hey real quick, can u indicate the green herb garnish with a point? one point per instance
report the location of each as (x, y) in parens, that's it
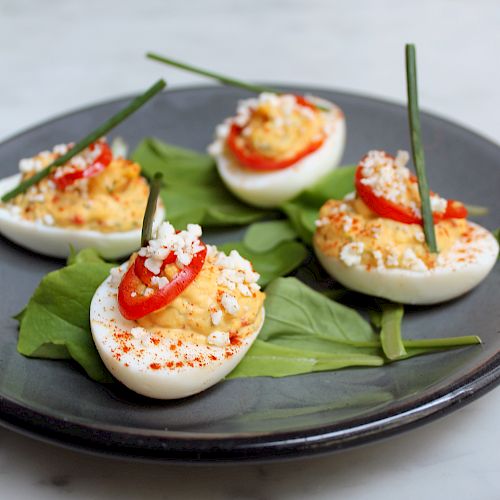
(477, 210)
(88, 140)
(417, 149)
(149, 213)
(225, 80)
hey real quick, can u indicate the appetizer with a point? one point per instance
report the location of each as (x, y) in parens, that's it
(277, 145)
(94, 200)
(373, 241)
(178, 316)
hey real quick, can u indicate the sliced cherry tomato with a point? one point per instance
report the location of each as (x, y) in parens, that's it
(256, 161)
(134, 305)
(390, 210)
(97, 166)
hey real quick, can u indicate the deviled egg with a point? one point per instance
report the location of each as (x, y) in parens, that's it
(278, 145)
(373, 241)
(178, 316)
(94, 200)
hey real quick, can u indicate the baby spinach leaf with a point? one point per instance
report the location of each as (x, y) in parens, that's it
(193, 191)
(55, 323)
(267, 359)
(305, 332)
(264, 236)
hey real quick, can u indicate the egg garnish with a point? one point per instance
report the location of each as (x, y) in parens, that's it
(278, 145)
(94, 200)
(373, 240)
(178, 316)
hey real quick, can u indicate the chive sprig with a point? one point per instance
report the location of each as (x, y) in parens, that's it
(417, 149)
(149, 213)
(88, 140)
(225, 80)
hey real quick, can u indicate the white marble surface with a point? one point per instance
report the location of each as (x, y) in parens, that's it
(58, 55)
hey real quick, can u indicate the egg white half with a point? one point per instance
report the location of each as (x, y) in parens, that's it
(271, 189)
(56, 241)
(147, 363)
(457, 272)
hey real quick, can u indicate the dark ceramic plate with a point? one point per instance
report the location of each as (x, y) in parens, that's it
(261, 418)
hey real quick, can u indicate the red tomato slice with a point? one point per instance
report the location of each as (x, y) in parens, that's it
(255, 161)
(97, 166)
(133, 305)
(390, 210)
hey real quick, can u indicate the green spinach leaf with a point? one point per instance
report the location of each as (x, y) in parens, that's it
(193, 191)
(265, 236)
(55, 323)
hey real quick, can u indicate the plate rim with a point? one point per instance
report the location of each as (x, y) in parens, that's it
(151, 445)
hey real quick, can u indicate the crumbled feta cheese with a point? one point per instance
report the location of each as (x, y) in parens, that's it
(386, 178)
(438, 204)
(184, 245)
(412, 262)
(324, 221)
(392, 260)
(29, 165)
(347, 221)
(419, 235)
(230, 303)
(48, 220)
(377, 254)
(216, 317)
(218, 339)
(235, 262)
(351, 253)
(160, 282)
(60, 149)
(36, 198)
(350, 196)
(244, 290)
(116, 277)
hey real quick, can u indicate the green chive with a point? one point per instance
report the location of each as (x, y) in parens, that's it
(417, 149)
(226, 80)
(87, 141)
(476, 210)
(203, 72)
(390, 333)
(149, 214)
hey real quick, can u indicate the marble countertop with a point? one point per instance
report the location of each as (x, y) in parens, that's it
(54, 59)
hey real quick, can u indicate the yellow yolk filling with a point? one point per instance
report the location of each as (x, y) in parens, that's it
(384, 241)
(280, 134)
(189, 316)
(113, 200)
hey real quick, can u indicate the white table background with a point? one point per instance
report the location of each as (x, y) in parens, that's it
(60, 55)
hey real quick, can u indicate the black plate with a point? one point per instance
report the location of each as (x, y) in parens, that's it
(259, 418)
